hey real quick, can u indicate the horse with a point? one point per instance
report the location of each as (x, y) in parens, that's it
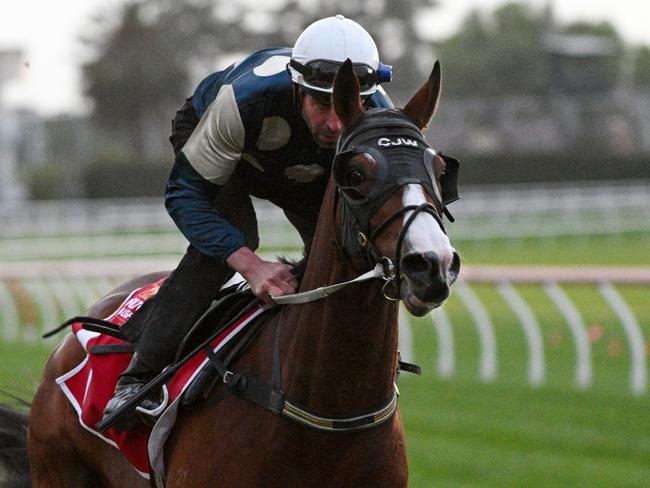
(335, 357)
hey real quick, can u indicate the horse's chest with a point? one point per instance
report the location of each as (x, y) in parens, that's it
(254, 448)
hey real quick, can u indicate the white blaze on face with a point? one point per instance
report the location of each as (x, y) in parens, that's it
(424, 234)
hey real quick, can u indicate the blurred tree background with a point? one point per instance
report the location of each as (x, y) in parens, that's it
(150, 53)
(504, 68)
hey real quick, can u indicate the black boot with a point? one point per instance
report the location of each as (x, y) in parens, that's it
(134, 378)
(158, 331)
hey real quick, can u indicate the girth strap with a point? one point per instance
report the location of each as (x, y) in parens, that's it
(249, 387)
(267, 396)
(271, 396)
(365, 421)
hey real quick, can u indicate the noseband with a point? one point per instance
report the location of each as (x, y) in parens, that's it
(374, 256)
(397, 146)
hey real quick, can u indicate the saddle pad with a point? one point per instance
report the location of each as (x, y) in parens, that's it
(90, 385)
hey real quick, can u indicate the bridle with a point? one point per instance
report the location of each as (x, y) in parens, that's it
(374, 255)
(357, 239)
(356, 242)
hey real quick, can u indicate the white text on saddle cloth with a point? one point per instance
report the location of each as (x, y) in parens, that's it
(129, 308)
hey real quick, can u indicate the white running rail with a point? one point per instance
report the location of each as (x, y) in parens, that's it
(113, 227)
(35, 296)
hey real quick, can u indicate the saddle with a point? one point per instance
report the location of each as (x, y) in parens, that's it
(225, 307)
(227, 304)
(224, 330)
(224, 310)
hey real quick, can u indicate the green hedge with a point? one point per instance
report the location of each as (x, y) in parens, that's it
(534, 168)
(125, 179)
(105, 179)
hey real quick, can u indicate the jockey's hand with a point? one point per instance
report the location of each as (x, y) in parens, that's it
(266, 278)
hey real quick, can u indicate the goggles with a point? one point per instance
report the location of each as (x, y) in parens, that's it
(320, 73)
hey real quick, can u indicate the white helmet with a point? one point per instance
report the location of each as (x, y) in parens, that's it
(325, 45)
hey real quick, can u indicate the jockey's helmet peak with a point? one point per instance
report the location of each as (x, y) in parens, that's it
(324, 45)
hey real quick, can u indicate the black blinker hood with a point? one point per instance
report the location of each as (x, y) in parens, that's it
(395, 143)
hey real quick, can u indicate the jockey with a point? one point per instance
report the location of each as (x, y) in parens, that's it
(263, 127)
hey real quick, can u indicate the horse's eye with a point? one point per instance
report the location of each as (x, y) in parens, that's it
(355, 178)
(353, 181)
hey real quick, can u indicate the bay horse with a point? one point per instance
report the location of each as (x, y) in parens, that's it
(337, 356)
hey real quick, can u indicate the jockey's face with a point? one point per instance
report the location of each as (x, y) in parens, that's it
(323, 123)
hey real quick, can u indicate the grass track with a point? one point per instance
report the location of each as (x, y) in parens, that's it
(462, 433)
(620, 249)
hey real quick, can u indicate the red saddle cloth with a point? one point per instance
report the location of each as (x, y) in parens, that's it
(90, 385)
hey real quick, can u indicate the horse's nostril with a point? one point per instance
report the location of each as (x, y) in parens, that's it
(423, 272)
(416, 263)
(454, 268)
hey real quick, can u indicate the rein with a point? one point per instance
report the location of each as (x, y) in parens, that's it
(384, 269)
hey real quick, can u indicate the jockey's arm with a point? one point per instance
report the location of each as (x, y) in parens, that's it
(204, 165)
(188, 200)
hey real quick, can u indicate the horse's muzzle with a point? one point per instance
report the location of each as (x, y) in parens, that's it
(426, 281)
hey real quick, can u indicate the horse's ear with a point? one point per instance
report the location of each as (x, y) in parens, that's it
(424, 103)
(347, 104)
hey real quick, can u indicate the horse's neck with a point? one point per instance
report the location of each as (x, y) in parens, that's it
(340, 352)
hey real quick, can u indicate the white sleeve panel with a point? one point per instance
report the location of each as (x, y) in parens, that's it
(216, 145)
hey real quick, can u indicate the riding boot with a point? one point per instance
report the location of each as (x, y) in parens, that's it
(181, 300)
(132, 380)
(184, 296)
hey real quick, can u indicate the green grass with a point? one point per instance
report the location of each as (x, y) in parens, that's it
(21, 367)
(620, 250)
(462, 433)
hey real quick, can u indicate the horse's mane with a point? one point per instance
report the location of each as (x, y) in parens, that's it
(298, 266)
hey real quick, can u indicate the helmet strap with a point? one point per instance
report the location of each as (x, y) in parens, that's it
(298, 95)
